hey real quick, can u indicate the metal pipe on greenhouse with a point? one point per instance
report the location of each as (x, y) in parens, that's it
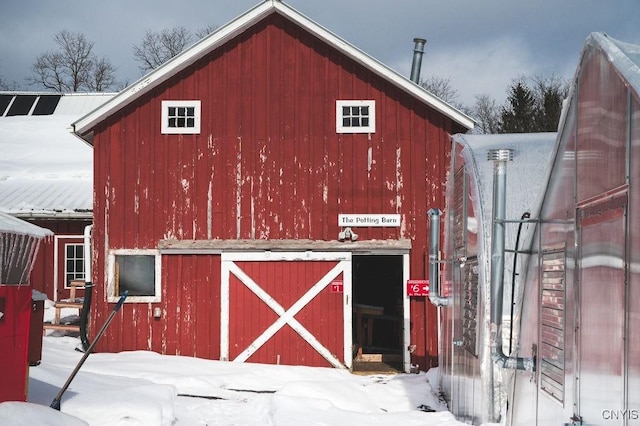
(500, 158)
(434, 258)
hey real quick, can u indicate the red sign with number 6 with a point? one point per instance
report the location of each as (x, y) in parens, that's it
(417, 287)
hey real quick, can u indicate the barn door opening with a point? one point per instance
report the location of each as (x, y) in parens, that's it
(378, 312)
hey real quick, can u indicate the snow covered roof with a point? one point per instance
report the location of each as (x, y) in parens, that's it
(12, 225)
(526, 174)
(84, 126)
(45, 170)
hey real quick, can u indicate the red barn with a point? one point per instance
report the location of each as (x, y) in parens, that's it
(263, 196)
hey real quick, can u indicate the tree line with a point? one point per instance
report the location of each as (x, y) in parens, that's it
(533, 103)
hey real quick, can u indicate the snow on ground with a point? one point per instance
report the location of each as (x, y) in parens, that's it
(145, 388)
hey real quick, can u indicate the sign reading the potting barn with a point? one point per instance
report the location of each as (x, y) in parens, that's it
(337, 287)
(417, 287)
(378, 220)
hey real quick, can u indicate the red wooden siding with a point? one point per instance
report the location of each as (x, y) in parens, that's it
(42, 274)
(190, 321)
(268, 163)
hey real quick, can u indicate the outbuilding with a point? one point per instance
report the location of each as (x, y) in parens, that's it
(46, 178)
(540, 321)
(263, 198)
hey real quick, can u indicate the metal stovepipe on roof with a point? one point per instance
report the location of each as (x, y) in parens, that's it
(418, 51)
(500, 158)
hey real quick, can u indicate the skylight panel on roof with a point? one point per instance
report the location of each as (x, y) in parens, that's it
(5, 100)
(21, 105)
(46, 104)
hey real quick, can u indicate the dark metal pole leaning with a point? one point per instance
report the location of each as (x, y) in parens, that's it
(55, 404)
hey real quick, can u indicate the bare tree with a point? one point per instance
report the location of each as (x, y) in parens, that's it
(440, 87)
(486, 112)
(6, 85)
(103, 76)
(73, 67)
(550, 93)
(157, 47)
(205, 31)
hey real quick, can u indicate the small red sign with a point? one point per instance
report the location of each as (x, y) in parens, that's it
(337, 287)
(417, 287)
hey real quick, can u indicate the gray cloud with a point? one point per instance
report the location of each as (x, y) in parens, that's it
(480, 45)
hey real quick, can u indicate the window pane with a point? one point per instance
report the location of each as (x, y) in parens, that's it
(180, 122)
(136, 274)
(345, 110)
(80, 251)
(191, 111)
(70, 250)
(355, 122)
(346, 122)
(364, 110)
(191, 122)
(172, 122)
(172, 111)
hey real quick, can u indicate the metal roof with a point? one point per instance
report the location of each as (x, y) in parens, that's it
(83, 127)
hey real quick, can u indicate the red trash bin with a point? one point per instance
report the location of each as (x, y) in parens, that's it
(15, 314)
(36, 329)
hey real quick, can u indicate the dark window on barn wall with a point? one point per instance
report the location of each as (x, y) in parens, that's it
(355, 116)
(180, 117)
(135, 271)
(135, 274)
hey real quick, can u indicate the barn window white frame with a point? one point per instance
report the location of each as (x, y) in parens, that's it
(181, 117)
(73, 263)
(355, 116)
(113, 287)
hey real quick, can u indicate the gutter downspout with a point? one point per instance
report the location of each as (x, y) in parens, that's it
(500, 157)
(434, 259)
(88, 288)
(418, 51)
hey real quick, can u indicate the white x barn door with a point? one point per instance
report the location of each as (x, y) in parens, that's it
(286, 307)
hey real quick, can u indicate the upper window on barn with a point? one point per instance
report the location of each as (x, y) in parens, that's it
(355, 116)
(180, 117)
(135, 271)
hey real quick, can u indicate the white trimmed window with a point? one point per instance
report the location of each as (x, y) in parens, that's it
(73, 263)
(180, 117)
(136, 271)
(355, 116)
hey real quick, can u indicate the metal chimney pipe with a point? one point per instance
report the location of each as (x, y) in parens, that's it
(418, 51)
(500, 157)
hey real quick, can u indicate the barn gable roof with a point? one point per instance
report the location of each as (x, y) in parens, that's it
(84, 126)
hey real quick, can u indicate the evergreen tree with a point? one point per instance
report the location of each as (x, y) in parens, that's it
(520, 112)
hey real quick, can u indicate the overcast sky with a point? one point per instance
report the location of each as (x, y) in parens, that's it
(480, 45)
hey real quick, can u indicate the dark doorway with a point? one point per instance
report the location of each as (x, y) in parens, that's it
(377, 311)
